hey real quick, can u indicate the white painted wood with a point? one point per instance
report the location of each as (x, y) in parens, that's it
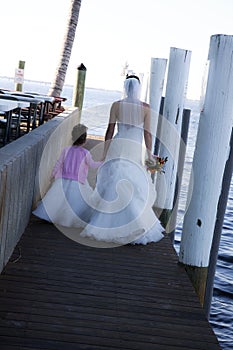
(177, 80)
(157, 76)
(211, 152)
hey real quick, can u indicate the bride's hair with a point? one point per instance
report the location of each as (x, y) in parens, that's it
(132, 86)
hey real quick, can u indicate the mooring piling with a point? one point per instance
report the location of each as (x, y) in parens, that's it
(79, 88)
(210, 156)
(177, 78)
(157, 76)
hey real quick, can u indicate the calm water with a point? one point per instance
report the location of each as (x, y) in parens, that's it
(95, 115)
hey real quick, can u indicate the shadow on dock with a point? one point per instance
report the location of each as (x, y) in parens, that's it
(58, 294)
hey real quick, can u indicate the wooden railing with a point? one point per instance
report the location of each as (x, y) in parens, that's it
(22, 178)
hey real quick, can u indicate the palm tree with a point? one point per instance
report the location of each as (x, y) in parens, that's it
(60, 73)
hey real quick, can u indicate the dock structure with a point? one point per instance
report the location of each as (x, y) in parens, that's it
(57, 294)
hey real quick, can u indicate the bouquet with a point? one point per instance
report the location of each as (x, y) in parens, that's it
(156, 164)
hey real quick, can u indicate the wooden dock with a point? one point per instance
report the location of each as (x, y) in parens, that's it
(56, 294)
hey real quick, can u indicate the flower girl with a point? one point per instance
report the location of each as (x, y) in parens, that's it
(67, 202)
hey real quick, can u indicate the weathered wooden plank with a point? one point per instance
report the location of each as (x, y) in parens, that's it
(121, 340)
(96, 287)
(56, 345)
(94, 320)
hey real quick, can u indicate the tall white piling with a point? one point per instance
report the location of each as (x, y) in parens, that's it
(211, 153)
(157, 76)
(177, 80)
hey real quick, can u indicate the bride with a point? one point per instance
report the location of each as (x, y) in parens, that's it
(124, 193)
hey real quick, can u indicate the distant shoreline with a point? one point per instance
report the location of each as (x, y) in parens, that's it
(48, 83)
(71, 86)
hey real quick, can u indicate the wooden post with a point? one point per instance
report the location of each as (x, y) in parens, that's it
(210, 155)
(157, 74)
(19, 76)
(78, 93)
(222, 204)
(183, 143)
(179, 62)
(158, 132)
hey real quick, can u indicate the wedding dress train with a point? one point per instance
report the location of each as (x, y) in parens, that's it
(124, 195)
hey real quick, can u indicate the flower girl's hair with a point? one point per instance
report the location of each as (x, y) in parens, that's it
(79, 134)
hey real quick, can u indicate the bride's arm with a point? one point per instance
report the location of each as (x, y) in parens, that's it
(147, 132)
(110, 129)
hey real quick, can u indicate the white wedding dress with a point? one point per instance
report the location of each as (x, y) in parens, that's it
(124, 195)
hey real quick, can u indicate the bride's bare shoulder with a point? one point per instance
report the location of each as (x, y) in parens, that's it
(116, 103)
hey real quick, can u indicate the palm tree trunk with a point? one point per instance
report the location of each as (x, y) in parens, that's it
(60, 73)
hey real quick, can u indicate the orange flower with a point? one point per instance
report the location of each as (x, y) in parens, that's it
(155, 164)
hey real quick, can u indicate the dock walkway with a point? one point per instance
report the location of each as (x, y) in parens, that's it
(56, 294)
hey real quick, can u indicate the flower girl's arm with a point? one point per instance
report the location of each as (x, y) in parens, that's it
(92, 163)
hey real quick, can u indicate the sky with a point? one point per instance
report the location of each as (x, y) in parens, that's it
(109, 34)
